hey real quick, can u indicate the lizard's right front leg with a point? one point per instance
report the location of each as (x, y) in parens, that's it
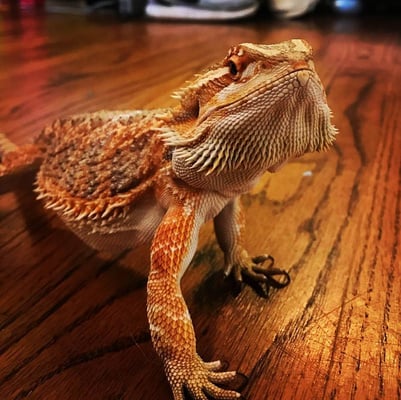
(171, 327)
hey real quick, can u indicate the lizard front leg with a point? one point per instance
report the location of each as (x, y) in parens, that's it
(171, 327)
(229, 226)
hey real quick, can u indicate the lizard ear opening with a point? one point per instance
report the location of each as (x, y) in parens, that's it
(190, 107)
(196, 109)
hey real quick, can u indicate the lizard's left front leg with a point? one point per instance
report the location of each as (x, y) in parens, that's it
(229, 226)
(171, 327)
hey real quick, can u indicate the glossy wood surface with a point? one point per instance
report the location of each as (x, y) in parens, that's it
(73, 322)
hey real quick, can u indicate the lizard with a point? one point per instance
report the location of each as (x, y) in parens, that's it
(120, 179)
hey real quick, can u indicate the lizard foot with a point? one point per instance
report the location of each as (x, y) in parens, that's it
(200, 380)
(253, 271)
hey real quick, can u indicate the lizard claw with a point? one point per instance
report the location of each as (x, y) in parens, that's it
(259, 276)
(200, 380)
(270, 273)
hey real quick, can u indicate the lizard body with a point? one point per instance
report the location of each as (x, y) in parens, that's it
(122, 179)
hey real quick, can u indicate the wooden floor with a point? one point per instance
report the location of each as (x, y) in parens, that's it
(73, 323)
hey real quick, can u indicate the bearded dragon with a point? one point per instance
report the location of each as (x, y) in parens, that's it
(122, 179)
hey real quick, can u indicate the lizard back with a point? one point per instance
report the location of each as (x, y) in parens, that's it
(96, 165)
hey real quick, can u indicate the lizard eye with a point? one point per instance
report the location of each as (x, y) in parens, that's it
(233, 68)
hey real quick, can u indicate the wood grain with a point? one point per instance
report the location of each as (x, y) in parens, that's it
(73, 322)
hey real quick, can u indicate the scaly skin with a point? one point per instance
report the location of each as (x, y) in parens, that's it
(121, 179)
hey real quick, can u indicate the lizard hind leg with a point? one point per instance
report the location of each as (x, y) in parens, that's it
(14, 159)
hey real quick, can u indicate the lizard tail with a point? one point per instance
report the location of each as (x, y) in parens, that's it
(6, 145)
(14, 159)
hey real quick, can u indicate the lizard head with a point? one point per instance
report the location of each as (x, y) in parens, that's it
(257, 108)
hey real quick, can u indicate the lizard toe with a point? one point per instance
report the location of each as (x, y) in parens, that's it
(216, 366)
(221, 394)
(222, 377)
